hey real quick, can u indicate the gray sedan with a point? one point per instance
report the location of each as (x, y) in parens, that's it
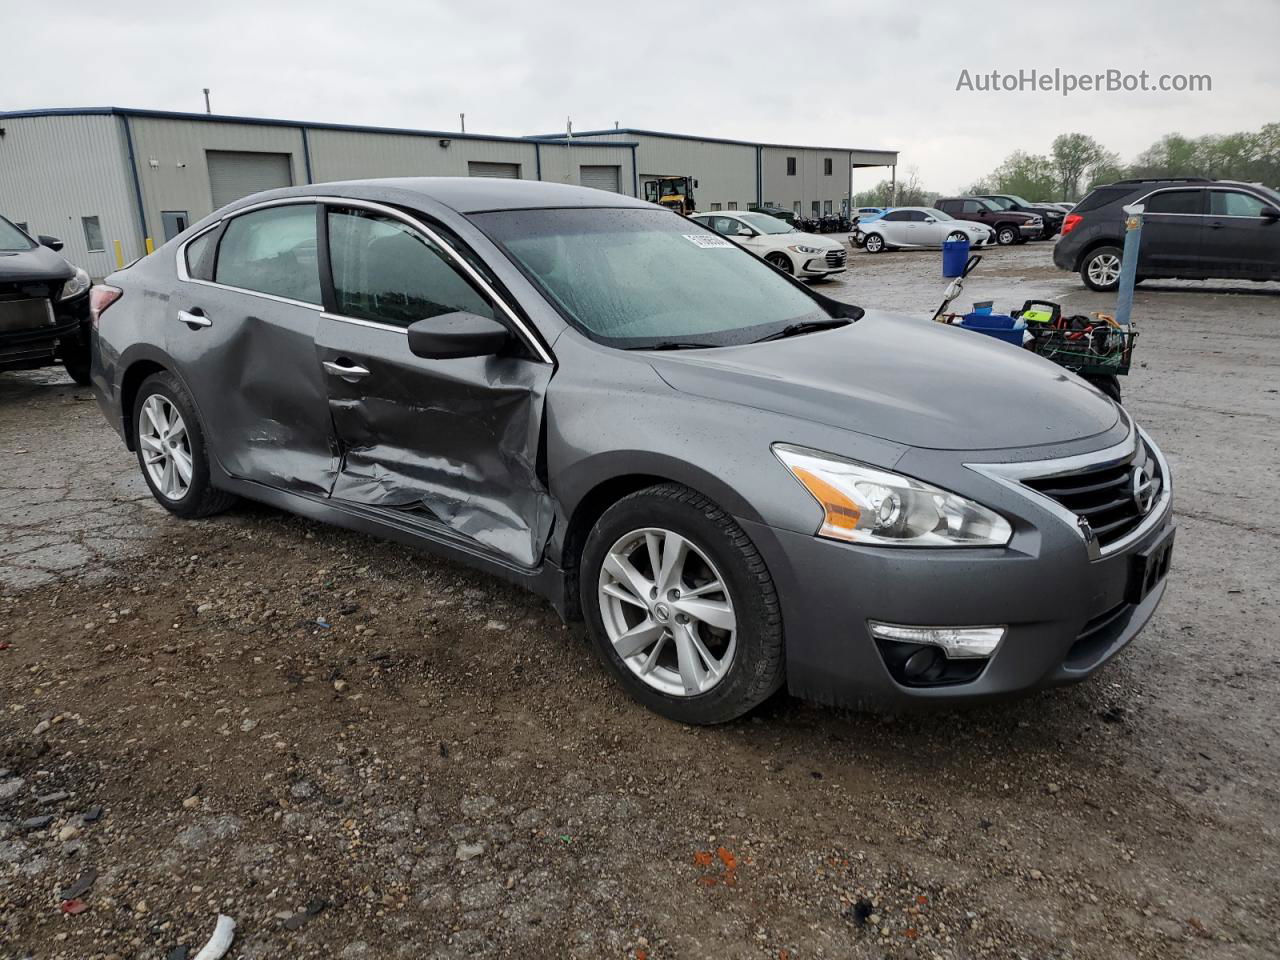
(737, 482)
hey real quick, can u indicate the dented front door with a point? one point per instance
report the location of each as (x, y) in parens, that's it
(448, 444)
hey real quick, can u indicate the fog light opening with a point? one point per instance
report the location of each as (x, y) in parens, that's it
(934, 656)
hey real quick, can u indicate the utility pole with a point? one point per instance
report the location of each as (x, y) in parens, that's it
(462, 119)
(568, 150)
(207, 108)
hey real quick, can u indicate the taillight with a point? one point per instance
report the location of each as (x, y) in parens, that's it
(1070, 222)
(101, 296)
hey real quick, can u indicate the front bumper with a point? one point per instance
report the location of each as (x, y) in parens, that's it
(824, 264)
(1032, 230)
(1068, 611)
(28, 349)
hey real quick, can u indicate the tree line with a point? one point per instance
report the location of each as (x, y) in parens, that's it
(1076, 162)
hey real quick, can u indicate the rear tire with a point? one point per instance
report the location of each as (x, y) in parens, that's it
(649, 651)
(171, 449)
(874, 243)
(1100, 269)
(779, 260)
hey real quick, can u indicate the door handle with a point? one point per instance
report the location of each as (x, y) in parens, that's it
(351, 372)
(194, 319)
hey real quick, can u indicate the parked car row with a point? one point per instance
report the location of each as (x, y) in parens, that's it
(778, 243)
(44, 305)
(915, 227)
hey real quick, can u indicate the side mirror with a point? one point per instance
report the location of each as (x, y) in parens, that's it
(1270, 213)
(53, 243)
(452, 336)
(930, 219)
(745, 232)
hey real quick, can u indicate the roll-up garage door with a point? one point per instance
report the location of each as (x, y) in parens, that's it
(234, 174)
(600, 177)
(510, 171)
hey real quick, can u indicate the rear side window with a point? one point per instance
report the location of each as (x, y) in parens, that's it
(199, 256)
(1233, 203)
(1175, 201)
(1101, 197)
(385, 271)
(895, 216)
(272, 251)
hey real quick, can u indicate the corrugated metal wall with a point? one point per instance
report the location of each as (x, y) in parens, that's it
(348, 155)
(55, 170)
(173, 169)
(726, 172)
(809, 184)
(563, 163)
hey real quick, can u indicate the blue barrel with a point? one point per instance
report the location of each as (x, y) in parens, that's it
(955, 254)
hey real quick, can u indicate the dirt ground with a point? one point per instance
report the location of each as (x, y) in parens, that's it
(359, 751)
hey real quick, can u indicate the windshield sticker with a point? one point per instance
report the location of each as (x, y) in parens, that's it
(707, 240)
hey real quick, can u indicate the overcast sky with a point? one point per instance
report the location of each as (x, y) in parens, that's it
(830, 72)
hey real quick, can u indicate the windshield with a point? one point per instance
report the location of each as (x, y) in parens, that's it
(998, 203)
(767, 224)
(12, 239)
(641, 278)
(936, 214)
(1018, 201)
(991, 205)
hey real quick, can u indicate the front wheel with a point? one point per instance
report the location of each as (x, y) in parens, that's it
(1006, 235)
(779, 260)
(681, 606)
(1100, 270)
(874, 243)
(172, 451)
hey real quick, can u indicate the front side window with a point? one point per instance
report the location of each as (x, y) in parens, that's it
(896, 216)
(637, 278)
(272, 251)
(385, 271)
(92, 233)
(1233, 203)
(12, 239)
(1175, 201)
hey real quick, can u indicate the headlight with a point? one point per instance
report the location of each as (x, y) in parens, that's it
(864, 505)
(802, 248)
(75, 286)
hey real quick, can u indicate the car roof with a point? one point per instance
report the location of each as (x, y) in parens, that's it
(465, 194)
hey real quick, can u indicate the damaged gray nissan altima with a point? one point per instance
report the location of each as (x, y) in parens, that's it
(738, 482)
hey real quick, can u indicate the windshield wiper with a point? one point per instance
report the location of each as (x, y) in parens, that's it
(806, 326)
(673, 345)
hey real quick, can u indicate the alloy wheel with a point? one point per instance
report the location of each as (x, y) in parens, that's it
(1104, 269)
(667, 612)
(166, 447)
(874, 243)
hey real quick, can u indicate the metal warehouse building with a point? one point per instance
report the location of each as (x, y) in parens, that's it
(112, 182)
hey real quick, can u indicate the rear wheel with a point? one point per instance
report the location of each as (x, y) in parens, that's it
(1100, 269)
(779, 260)
(874, 243)
(681, 607)
(1006, 235)
(171, 449)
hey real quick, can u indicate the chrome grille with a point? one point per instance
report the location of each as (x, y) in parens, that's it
(837, 258)
(1112, 499)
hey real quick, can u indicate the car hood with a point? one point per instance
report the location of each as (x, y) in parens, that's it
(901, 379)
(38, 264)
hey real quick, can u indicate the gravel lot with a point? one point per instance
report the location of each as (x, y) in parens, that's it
(358, 751)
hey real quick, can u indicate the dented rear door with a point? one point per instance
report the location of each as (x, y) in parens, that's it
(449, 445)
(243, 339)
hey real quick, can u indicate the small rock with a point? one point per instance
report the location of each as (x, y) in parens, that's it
(41, 727)
(178, 953)
(495, 625)
(36, 823)
(1036, 875)
(204, 608)
(93, 814)
(339, 685)
(190, 803)
(11, 788)
(49, 798)
(469, 851)
(1054, 788)
(67, 832)
(248, 725)
(81, 886)
(302, 790)
(141, 907)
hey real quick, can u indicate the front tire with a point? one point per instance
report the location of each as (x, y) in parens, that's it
(874, 243)
(172, 451)
(1006, 235)
(1100, 269)
(681, 606)
(779, 260)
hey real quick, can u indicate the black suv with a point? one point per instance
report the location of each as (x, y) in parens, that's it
(1051, 215)
(1192, 229)
(44, 305)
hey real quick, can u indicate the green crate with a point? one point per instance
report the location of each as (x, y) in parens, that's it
(1101, 351)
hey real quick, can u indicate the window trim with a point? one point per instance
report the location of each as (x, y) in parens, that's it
(531, 337)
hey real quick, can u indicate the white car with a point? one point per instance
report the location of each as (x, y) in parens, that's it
(914, 227)
(779, 243)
